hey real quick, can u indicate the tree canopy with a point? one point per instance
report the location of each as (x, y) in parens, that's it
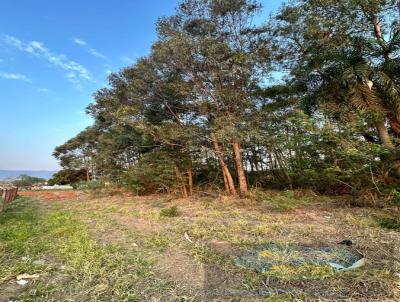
(309, 98)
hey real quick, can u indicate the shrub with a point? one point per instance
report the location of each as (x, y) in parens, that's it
(153, 174)
(390, 223)
(26, 181)
(68, 177)
(282, 200)
(90, 185)
(170, 212)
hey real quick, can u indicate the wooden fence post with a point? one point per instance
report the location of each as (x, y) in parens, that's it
(1, 200)
(7, 196)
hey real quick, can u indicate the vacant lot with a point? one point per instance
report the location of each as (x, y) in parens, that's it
(124, 248)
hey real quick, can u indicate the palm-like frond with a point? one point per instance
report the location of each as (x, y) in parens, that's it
(360, 72)
(362, 93)
(390, 90)
(362, 97)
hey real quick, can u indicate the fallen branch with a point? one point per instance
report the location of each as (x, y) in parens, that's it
(186, 235)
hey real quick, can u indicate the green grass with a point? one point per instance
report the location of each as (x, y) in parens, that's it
(390, 223)
(102, 273)
(170, 212)
(109, 250)
(282, 201)
(302, 272)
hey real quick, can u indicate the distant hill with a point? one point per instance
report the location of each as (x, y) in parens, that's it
(13, 174)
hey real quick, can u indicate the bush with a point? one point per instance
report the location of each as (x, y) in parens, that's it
(153, 174)
(68, 177)
(90, 185)
(27, 181)
(395, 197)
(325, 160)
(170, 212)
(282, 200)
(390, 223)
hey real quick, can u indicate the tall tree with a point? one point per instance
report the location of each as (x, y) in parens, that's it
(218, 48)
(78, 152)
(345, 55)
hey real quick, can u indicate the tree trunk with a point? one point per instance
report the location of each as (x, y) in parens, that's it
(240, 170)
(180, 181)
(228, 180)
(226, 183)
(251, 162)
(384, 135)
(87, 174)
(394, 124)
(190, 181)
(387, 142)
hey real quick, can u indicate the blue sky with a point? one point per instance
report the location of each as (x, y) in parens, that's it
(54, 54)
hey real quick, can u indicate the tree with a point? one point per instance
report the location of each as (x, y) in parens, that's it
(344, 55)
(26, 181)
(68, 177)
(201, 110)
(217, 47)
(78, 152)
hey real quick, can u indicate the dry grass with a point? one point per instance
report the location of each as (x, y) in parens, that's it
(124, 248)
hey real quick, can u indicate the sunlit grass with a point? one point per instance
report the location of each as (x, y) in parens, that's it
(105, 250)
(92, 270)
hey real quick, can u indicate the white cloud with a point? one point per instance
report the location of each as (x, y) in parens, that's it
(14, 76)
(127, 59)
(43, 90)
(79, 42)
(107, 69)
(130, 59)
(95, 53)
(75, 71)
(72, 77)
(90, 50)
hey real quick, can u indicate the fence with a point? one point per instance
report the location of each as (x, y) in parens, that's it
(7, 195)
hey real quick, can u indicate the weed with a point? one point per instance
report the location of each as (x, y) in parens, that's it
(170, 212)
(157, 241)
(302, 272)
(281, 201)
(101, 272)
(91, 254)
(390, 223)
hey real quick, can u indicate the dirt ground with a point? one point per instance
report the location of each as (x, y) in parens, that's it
(135, 250)
(50, 195)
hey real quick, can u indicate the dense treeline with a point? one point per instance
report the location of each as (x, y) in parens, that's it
(307, 99)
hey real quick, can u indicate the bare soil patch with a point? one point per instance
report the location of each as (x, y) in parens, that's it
(182, 269)
(51, 195)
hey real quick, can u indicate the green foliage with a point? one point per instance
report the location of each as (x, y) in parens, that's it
(303, 272)
(331, 124)
(27, 181)
(67, 177)
(296, 262)
(322, 157)
(170, 212)
(154, 173)
(396, 197)
(282, 200)
(25, 232)
(92, 185)
(390, 223)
